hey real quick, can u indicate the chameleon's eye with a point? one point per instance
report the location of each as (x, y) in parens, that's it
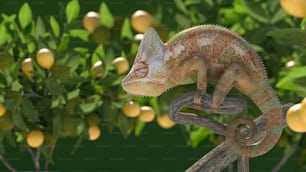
(141, 70)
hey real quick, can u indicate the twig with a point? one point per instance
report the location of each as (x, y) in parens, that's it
(243, 164)
(51, 153)
(215, 160)
(35, 158)
(285, 158)
(7, 164)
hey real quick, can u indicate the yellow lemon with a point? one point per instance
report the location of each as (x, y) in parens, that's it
(35, 138)
(164, 121)
(294, 118)
(6, 122)
(94, 132)
(101, 34)
(91, 21)
(121, 65)
(27, 67)
(45, 58)
(97, 68)
(131, 109)
(141, 21)
(295, 8)
(2, 109)
(146, 114)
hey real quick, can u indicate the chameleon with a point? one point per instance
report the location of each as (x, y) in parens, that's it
(209, 54)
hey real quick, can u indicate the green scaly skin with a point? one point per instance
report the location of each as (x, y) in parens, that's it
(209, 54)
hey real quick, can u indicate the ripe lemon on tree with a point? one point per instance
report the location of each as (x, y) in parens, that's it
(146, 114)
(35, 138)
(295, 118)
(68, 127)
(45, 58)
(94, 132)
(27, 67)
(2, 109)
(121, 64)
(164, 121)
(141, 21)
(101, 34)
(295, 8)
(97, 68)
(91, 21)
(6, 122)
(131, 109)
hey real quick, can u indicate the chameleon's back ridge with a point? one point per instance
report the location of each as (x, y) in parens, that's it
(209, 54)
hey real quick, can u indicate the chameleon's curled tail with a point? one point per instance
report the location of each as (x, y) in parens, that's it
(241, 134)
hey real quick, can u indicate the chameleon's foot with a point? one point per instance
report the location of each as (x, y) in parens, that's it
(216, 102)
(197, 98)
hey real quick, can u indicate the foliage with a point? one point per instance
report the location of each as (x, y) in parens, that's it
(71, 89)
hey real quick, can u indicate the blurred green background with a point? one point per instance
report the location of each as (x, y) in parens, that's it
(277, 37)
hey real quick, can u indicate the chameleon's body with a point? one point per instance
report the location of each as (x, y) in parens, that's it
(208, 54)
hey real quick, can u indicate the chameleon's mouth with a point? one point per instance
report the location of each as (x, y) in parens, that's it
(143, 88)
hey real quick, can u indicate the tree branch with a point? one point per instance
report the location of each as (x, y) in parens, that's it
(222, 153)
(51, 154)
(35, 158)
(7, 164)
(285, 158)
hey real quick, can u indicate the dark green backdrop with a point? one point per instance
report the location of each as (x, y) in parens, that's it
(156, 150)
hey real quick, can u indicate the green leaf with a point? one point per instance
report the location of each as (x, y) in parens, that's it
(123, 125)
(25, 15)
(57, 101)
(289, 36)
(182, 20)
(180, 5)
(303, 24)
(65, 41)
(98, 54)
(29, 111)
(255, 10)
(287, 82)
(139, 127)
(6, 59)
(126, 31)
(4, 35)
(16, 86)
(198, 135)
(90, 104)
(106, 17)
(73, 94)
(55, 26)
(72, 10)
(47, 154)
(10, 139)
(55, 87)
(18, 120)
(57, 121)
(79, 33)
(278, 16)
(40, 28)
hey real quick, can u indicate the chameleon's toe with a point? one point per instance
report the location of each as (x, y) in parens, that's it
(216, 103)
(197, 98)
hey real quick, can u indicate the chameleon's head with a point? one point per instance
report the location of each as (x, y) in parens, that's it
(147, 76)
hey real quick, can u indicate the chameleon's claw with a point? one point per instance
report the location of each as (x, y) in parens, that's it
(197, 98)
(216, 103)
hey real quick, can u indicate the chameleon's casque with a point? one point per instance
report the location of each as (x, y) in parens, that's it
(208, 54)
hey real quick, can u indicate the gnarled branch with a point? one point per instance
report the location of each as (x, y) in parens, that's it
(221, 154)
